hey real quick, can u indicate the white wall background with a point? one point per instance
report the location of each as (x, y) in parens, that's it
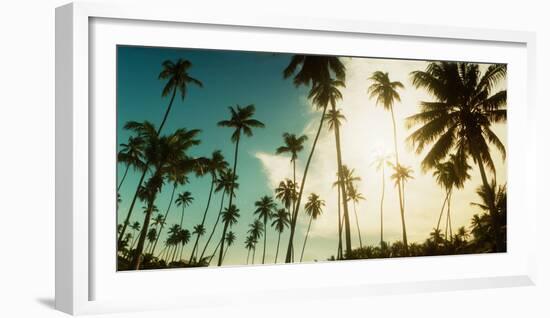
(27, 158)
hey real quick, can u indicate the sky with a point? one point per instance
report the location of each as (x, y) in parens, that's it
(233, 78)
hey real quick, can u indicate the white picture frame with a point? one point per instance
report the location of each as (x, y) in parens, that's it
(76, 271)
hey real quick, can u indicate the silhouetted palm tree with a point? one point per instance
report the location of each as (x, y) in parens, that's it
(492, 225)
(199, 231)
(322, 94)
(335, 119)
(264, 209)
(381, 161)
(286, 192)
(280, 221)
(400, 176)
(460, 118)
(385, 92)
(135, 228)
(151, 237)
(355, 196)
(450, 174)
(314, 208)
(178, 79)
(319, 71)
(249, 244)
(229, 217)
(131, 154)
(292, 145)
(226, 180)
(256, 230)
(229, 239)
(213, 166)
(242, 122)
(184, 200)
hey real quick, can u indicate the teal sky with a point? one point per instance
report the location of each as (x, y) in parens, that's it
(229, 78)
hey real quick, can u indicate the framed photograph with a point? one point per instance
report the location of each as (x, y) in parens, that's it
(257, 158)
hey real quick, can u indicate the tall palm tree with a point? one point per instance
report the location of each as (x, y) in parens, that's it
(450, 174)
(385, 92)
(164, 153)
(177, 177)
(183, 238)
(229, 217)
(178, 79)
(249, 244)
(292, 145)
(355, 196)
(264, 209)
(466, 104)
(229, 239)
(325, 74)
(135, 228)
(322, 94)
(151, 237)
(173, 241)
(214, 165)
(314, 208)
(256, 230)
(131, 154)
(184, 200)
(199, 231)
(400, 176)
(242, 122)
(381, 161)
(280, 222)
(226, 180)
(287, 193)
(335, 119)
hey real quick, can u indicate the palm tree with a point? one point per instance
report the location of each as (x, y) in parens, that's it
(450, 174)
(335, 118)
(214, 166)
(199, 231)
(164, 153)
(280, 221)
(492, 225)
(229, 238)
(292, 145)
(183, 238)
(229, 217)
(151, 237)
(134, 227)
(177, 176)
(178, 79)
(322, 94)
(264, 209)
(226, 180)
(381, 161)
(314, 208)
(325, 74)
(131, 155)
(385, 92)
(184, 200)
(256, 230)
(249, 244)
(400, 176)
(242, 122)
(286, 192)
(466, 105)
(355, 196)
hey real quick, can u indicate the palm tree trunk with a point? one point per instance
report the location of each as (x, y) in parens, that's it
(277, 252)
(123, 177)
(214, 253)
(225, 253)
(442, 209)
(220, 259)
(165, 218)
(182, 214)
(339, 253)
(203, 217)
(382, 207)
(449, 217)
(305, 239)
(357, 222)
(247, 256)
(399, 186)
(265, 238)
(253, 254)
(347, 231)
(139, 249)
(492, 207)
(214, 228)
(145, 168)
(297, 209)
